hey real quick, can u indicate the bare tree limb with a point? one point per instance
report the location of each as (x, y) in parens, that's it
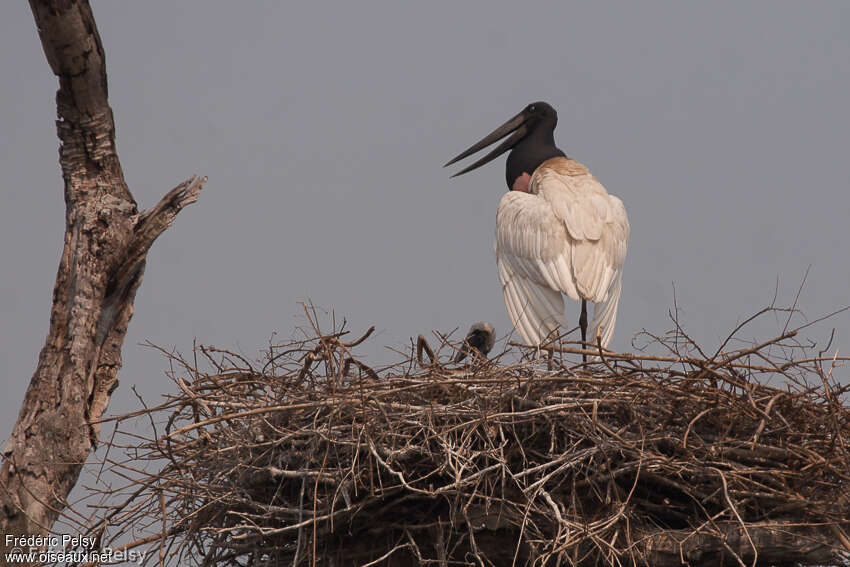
(102, 264)
(778, 544)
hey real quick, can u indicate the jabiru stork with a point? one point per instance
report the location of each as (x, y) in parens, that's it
(558, 231)
(479, 341)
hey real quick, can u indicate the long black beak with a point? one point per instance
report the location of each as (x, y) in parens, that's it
(515, 125)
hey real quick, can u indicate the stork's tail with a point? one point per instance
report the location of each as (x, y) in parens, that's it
(605, 313)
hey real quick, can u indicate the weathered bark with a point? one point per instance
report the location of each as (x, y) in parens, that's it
(776, 543)
(106, 243)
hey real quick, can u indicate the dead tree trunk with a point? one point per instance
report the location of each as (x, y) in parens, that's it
(106, 243)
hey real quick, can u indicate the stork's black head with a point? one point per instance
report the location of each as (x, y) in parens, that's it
(540, 113)
(531, 142)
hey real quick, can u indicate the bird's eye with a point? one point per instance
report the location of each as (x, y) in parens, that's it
(532, 108)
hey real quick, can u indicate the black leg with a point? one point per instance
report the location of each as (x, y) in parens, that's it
(582, 322)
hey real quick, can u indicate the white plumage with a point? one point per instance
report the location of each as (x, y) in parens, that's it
(565, 235)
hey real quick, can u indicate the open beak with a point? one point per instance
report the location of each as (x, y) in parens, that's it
(515, 125)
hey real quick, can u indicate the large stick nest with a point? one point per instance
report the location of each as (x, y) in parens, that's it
(311, 457)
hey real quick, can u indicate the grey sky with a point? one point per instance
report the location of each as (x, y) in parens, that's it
(724, 128)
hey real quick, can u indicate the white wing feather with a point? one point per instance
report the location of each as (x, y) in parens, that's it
(568, 235)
